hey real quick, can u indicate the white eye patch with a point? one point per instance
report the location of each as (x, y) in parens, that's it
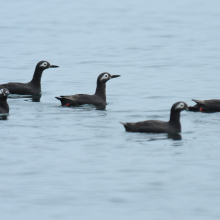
(104, 77)
(1, 91)
(44, 64)
(180, 106)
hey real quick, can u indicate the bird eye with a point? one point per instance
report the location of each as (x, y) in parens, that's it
(180, 106)
(105, 77)
(44, 64)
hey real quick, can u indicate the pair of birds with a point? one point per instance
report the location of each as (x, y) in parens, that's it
(99, 99)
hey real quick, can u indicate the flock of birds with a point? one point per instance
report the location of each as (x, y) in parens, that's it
(99, 100)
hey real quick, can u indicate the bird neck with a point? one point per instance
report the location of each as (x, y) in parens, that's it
(175, 119)
(100, 90)
(37, 77)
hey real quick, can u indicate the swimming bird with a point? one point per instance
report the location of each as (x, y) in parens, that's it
(155, 126)
(4, 108)
(98, 99)
(34, 86)
(212, 105)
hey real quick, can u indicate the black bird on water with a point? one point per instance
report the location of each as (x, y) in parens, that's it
(98, 99)
(154, 126)
(4, 108)
(212, 105)
(34, 86)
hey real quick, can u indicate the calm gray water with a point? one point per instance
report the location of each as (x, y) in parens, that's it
(66, 163)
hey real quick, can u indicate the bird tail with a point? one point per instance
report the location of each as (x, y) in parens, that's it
(194, 108)
(127, 127)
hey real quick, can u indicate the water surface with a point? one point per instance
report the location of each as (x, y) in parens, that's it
(79, 163)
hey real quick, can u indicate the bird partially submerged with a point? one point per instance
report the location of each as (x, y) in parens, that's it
(4, 108)
(98, 99)
(212, 105)
(154, 126)
(34, 86)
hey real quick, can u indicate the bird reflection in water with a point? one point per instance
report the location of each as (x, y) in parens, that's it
(36, 98)
(100, 107)
(32, 98)
(174, 137)
(87, 107)
(3, 116)
(155, 137)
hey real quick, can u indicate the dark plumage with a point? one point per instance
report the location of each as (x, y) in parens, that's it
(4, 108)
(155, 126)
(98, 99)
(34, 86)
(212, 105)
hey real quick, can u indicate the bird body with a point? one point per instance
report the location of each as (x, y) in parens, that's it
(212, 105)
(151, 126)
(98, 99)
(34, 86)
(81, 99)
(4, 108)
(22, 88)
(156, 126)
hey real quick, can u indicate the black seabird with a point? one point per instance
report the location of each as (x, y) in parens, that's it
(34, 86)
(212, 105)
(98, 99)
(154, 126)
(4, 108)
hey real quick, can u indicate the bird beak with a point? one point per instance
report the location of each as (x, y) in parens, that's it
(186, 108)
(6, 93)
(53, 66)
(114, 76)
